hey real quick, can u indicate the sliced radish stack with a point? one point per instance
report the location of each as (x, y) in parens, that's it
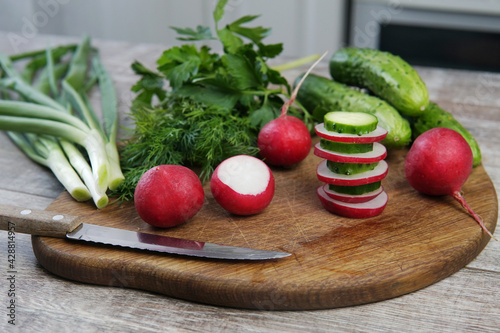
(327, 176)
(378, 153)
(378, 135)
(365, 209)
(356, 195)
(351, 198)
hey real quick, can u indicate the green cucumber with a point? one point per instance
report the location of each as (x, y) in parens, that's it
(320, 95)
(384, 74)
(435, 116)
(350, 168)
(358, 123)
(355, 190)
(346, 148)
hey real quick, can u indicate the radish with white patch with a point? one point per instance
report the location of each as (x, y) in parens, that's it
(243, 185)
(168, 195)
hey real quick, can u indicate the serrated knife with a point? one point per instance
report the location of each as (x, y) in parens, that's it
(46, 223)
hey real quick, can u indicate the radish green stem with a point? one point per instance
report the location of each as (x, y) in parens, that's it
(288, 103)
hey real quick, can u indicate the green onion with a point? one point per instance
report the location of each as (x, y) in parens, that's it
(49, 116)
(17, 84)
(42, 126)
(81, 166)
(109, 107)
(36, 111)
(46, 151)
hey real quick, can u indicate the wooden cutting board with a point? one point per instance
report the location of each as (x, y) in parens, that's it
(336, 262)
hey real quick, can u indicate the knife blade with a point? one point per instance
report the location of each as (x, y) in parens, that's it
(46, 223)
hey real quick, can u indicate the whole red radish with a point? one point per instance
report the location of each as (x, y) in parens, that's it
(438, 163)
(168, 195)
(286, 140)
(242, 185)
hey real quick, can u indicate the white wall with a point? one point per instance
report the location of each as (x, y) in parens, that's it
(303, 26)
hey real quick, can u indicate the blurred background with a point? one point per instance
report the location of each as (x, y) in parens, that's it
(446, 33)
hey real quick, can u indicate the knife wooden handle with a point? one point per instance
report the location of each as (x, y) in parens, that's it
(36, 222)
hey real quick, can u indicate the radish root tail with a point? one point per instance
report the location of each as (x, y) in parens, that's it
(458, 196)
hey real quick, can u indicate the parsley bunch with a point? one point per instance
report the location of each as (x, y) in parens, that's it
(200, 107)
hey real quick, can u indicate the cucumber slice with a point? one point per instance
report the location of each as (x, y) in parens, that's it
(355, 190)
(378, 153)
(358, 123)
(378, 135)
(352, 198)
(366, 209)
(325, 175)
(350, 168)
(347, 148)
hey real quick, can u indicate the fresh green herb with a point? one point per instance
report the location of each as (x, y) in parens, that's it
(200, 107)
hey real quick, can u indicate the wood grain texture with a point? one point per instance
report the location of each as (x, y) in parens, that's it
(336, 261)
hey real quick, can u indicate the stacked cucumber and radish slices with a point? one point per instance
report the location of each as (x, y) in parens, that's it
(353, 167)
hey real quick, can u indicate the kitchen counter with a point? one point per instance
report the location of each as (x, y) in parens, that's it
(467, 301)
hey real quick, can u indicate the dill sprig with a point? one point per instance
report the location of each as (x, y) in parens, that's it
(182, 132)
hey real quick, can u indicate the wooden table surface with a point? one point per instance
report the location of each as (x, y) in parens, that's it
(468, 301)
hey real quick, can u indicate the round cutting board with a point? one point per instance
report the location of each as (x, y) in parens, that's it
(335, 261)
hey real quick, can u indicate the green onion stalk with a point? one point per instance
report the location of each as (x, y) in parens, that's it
(46, 151)
(48, 115)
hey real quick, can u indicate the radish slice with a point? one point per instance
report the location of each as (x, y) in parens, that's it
(366, 209)
(378, 153)
(351, 198)
(378, 135)
(327, 176)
